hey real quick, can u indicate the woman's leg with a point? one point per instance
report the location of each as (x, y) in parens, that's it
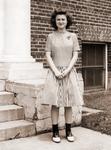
(68, 120)
(68, 115)
(55, 129)
(54, 114)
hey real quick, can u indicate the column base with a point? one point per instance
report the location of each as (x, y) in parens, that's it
(22, 71)
(13, 59)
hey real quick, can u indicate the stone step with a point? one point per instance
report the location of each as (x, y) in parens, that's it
(25, 87)
(11, 112)
(6, 98)
(16, 129)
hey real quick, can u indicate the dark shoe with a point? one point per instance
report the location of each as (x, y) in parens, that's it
(69, 135)
(56, 137)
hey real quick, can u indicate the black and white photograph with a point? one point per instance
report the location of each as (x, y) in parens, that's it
(55, 74)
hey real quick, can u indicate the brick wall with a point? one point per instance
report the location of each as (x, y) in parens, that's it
(91, 20)
(109, 58)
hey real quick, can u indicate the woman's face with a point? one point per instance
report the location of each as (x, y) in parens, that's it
(61, 21)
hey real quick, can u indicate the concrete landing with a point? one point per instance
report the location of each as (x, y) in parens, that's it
(85, 140)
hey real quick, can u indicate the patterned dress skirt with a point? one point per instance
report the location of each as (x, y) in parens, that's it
(62, 92)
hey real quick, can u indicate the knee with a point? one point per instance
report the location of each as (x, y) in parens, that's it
(68, 108)
(55, 107)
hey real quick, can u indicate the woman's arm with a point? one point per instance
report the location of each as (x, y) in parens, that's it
(75, 55)
(52, 65)
(48, 50)
(72, 63)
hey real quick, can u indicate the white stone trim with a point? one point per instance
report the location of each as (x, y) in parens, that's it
(1, 26)
(15, 37)
(16, 58)
(106, 67)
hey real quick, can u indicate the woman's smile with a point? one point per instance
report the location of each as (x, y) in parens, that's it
(61, 22)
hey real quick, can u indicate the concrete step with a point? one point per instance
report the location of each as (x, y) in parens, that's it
(6, 98)
(16, 129)
(25, 87)
(11, 112)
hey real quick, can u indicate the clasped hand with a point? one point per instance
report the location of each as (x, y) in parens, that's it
(61, 75)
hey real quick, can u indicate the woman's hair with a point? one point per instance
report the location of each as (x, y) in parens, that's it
(53, 19)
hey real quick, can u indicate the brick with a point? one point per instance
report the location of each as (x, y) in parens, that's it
(91, 18)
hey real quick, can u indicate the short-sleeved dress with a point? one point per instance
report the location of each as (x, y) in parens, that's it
(62, 92)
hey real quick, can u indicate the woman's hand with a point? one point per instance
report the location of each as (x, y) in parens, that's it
(58, 74)
(73, 60)
(65, 72)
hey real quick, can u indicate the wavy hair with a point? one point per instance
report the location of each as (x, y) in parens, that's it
(53, 19)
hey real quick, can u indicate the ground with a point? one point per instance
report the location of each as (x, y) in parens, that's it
(102, 121)
(85, 140)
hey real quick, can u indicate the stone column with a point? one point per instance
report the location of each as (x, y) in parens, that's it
(16, 31)
(1, 26)
(16, 62)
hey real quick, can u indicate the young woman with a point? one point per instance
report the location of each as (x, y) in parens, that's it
(61, 88)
